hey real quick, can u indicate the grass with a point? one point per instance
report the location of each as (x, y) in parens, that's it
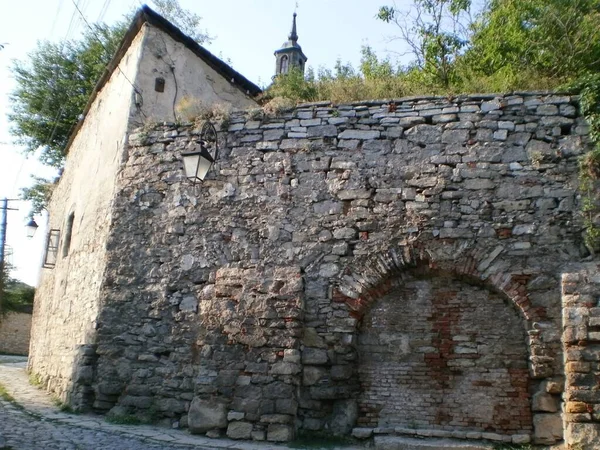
(5, 395)
(146, 418)
(319, 440)
(35, 380)
(62, 406)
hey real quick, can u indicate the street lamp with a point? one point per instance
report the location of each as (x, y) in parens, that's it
(31, 228)
(198, 162)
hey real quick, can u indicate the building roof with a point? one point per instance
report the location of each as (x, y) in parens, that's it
(147, 15)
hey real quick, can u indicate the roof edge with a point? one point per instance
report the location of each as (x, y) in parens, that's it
(146, 15)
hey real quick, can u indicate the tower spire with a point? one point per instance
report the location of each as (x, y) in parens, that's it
(294, 34)
(290, 55)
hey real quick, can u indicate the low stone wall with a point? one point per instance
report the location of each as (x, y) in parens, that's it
(242, 305)
(15, 329)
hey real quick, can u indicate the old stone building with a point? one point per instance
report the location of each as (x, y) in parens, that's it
(408, 267)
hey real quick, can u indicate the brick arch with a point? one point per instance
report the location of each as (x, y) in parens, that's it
(367, 279)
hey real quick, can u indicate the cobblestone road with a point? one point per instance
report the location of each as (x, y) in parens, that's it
(37, 424)
(21, 431)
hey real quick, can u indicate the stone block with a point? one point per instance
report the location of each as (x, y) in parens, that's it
(285, 368)
(239, 430)
(411, 121)
(584, 436)
(314, 356)
(322, 131)
(258, 435)
(545, 402)
(205, 415)
(312, 375)
(424, 134)
(343, 417)
(548, 428)
(359, 134)
(362, 433)
(280, 433)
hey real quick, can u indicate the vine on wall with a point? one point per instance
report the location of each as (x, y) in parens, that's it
(588, 87)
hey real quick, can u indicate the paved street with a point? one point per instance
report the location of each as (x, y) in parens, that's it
(38, 424)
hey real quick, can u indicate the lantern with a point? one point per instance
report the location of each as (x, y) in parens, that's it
(197, 163)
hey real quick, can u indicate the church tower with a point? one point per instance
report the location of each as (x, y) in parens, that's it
(290, 54)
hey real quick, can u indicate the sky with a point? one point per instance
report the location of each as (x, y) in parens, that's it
(246, 33)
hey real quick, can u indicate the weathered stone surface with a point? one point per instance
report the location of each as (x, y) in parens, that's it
(205, 415)
(239, 430)
(343, 417)
(426, 134)
(255, 288)
(314, 356)
(548, 428)
(279, 433)
(359, 134)
(544, 402)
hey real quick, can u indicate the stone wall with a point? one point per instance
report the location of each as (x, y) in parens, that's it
(68, 299)
(581, 339)
(14, 333)
(240, 305)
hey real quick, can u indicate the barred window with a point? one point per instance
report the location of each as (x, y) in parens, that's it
(51, 249)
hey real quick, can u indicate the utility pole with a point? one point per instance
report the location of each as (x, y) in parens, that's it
(4, 209)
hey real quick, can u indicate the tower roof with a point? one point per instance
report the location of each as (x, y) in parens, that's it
(294, 34)
(292, 43)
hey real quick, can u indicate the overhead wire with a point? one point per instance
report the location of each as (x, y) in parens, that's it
(103, 46)
(74, 23)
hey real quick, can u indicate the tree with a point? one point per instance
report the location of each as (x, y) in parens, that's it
(17, 296)
(53, 87)
(553, 38)
(436, 32)
(56, 80)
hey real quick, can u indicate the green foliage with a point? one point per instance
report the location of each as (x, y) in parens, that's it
(18, 296)
(55, 81)
(53, 87)
(142, 418)
(588, 87)
(62, 406)
(124, 420)
(4, 395)
(294, 86)
(555, 38)
(35, 379)
(38, 194)
(54, 84)
(186, 21)
(436, 32)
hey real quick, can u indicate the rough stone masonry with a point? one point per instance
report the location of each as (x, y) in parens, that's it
(389, 267)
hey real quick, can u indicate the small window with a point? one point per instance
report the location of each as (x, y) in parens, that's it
(284, 64)
(51, 253)
(159, 84)
(68, 233)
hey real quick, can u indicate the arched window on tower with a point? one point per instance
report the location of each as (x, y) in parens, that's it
(285, 60)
